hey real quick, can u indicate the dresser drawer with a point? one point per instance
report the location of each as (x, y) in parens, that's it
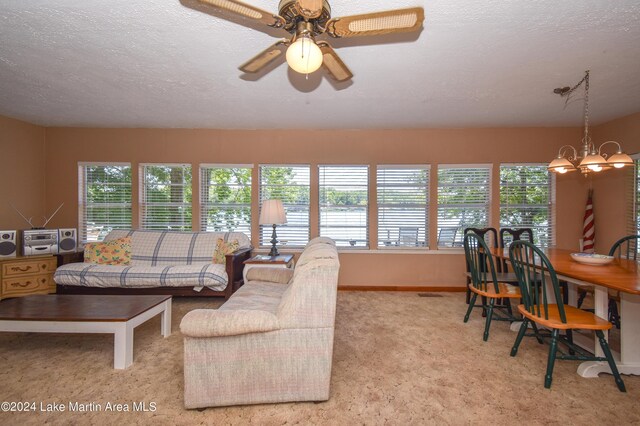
(27, 285)
(35, 266)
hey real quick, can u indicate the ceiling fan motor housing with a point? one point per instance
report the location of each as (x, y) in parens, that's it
(288, 10)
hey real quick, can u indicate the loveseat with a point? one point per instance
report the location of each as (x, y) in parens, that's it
(162, 262)
(272, 341)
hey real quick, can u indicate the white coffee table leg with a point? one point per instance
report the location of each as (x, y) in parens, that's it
(123, 346)
(165, 319)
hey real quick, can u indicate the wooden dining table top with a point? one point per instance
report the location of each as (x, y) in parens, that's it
(621, 274)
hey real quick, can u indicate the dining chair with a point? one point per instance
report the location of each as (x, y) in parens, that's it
(485, 284)
(537, 279)
(624, 248)
(490, 236)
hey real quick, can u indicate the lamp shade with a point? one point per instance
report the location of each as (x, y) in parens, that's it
(272, 213)
(304, 56)
(620, 160)
(595, 162)
(561, 165)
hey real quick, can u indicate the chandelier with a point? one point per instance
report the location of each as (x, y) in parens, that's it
(588, 159)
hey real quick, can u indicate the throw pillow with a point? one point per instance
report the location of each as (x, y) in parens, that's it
(116, 252)
(223, 248)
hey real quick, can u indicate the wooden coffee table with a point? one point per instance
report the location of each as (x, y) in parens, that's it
(69, 313)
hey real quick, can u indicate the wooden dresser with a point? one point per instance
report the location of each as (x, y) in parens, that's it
(22, 276)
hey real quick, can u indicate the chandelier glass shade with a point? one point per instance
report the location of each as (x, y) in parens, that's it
(587, 159)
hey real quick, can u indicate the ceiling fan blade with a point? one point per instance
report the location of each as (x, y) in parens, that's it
(333, 64)
(265, 57)
(309, 8)
(392, 21)
(244, 10)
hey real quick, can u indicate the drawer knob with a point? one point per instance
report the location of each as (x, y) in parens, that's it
(44, 266)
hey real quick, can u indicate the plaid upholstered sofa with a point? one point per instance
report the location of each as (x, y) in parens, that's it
(162, 262)
(272, 341)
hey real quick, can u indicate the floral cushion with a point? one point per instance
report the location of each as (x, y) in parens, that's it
(116, 252)
(223, 248)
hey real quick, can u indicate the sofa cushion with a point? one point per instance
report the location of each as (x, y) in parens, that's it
(271, 275)
(209, 275)
(163, 248)
(214, 323)
(115, 252)
(259, 296)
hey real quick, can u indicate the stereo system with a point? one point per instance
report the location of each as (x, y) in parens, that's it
(39, 241)
(8, 244)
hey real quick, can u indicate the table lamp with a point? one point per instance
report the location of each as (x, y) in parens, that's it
(272, 213)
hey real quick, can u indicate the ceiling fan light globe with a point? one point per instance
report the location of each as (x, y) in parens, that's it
(304, 56)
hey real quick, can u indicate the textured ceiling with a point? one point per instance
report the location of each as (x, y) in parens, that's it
(158, 63)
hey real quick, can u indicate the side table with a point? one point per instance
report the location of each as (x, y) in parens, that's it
(266, 261)
(26, 275)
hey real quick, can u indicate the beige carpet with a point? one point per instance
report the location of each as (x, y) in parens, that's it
(398, 359)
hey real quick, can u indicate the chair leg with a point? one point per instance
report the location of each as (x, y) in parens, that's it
(521, 332)
(569, 333)
(471, 305)
(552, 358)
(537, 333)
(583, 295)
(468, 290)
(612, 364)
(484, 306)
(487, 323)
(614, 317)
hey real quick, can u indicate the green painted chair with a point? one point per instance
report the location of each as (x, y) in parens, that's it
(484, 283)
(539, 285)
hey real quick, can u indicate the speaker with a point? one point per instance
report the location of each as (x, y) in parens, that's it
(8, 243)
(67, 240)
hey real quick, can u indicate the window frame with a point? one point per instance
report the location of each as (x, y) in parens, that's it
(421, 243)
(550, 205)
(143, 204)
(205, 206)
(264, 231)
(84, 205)
(457, 241)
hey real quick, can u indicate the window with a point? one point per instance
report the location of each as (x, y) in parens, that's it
(403, 206)
(526, 195)
(344, 196)
(291, 185)
(633, 199)
(225, 198)
(165, 196)
(104, 199)
(464, 194)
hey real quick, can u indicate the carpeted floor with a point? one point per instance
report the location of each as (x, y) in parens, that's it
(398, 359)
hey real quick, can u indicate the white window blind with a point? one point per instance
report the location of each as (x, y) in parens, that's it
(291, 185)
(403, 206)
(526, 200)
(104, 199)
(225, 198)
(344, 196)
(464, 195)
(633, 199)
(165, 196)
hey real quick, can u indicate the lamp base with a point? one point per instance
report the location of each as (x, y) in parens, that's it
(274, 241)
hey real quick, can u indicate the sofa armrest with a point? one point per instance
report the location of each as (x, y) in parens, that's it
(214, 323)
(271, 275)
(234, 264)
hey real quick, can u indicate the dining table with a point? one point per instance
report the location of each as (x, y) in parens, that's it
(622, 275)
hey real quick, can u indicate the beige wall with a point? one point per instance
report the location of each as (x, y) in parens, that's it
(612, 190)
(65, 147)
(22, 173)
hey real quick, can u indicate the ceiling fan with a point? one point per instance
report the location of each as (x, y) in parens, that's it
(307, 19)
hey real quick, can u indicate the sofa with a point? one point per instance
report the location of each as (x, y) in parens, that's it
(162, 262)
(272, 341)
